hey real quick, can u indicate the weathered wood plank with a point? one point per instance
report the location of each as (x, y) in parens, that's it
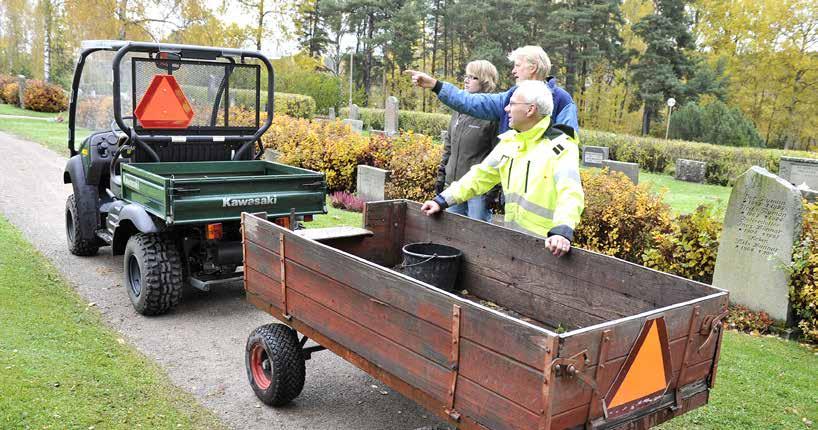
(507, 246)
(262, 260)
(393, 357)
(333, 233)
(551, 310)
(396, 325)
(491, 410)
(495, 331)
(264, 288)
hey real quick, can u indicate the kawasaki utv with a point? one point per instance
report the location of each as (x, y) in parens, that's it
(169, 160)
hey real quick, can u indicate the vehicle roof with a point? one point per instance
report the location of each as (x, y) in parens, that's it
(115, 45)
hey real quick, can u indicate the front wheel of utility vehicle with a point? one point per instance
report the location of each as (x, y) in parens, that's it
(275, 366)
(153, 273)
(77, 243)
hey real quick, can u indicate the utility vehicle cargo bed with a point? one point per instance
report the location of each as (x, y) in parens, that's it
(212, 191)
(609, 344)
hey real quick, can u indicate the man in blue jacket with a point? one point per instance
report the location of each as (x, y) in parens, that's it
(530, 63)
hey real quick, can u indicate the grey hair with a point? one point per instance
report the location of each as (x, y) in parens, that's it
(537, 93)
(534, 56)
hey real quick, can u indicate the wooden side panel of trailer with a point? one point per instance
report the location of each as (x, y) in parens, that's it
(395, 323)
(405, 328)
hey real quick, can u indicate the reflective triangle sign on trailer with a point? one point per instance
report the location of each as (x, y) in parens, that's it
(164, 105)
(646, 374)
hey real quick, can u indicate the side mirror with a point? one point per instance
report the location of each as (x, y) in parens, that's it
(168, 60)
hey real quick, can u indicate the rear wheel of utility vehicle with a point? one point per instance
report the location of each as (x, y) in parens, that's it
(77, 243)
(275, 366)
(153, 273)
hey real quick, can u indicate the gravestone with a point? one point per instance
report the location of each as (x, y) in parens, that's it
(371, 182)
(212, 87)
(690, 170)
(21, 91)
(631, 170)
(390, 122)
(270, 155)
(356, 124)
(332, 113)
(810, 195)
(592, 156)
(443, 135)
(353, 112)
(763, 220)
(799, 171)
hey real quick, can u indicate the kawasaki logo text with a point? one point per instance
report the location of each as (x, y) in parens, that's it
(229, 202)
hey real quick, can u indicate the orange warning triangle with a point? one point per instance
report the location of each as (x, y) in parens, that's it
(646, 373)
(164, 105)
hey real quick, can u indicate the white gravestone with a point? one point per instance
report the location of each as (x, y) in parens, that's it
(798, 171)
(592, 156)
(356, 124)
(353, 112)
(371, 183)
(390, 123)
(763, 220)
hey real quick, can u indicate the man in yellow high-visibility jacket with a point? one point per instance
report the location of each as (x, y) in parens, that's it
(538, 167)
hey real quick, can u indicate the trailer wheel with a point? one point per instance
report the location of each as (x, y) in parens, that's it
(153, 273)
(77, 245)
(275, 366)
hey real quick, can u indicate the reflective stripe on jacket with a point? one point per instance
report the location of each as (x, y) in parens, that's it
(539, 172)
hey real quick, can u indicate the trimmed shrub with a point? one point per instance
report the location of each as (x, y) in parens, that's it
(804, 275)
(689, 248)
(5, 80)
(11, 93)
(330, 147)
(724, 163)
(294, 105)
(620, 218)
(413, 161)
(430, 124)
(41, 96)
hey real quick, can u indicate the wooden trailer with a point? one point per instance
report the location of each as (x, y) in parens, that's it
(595, 342)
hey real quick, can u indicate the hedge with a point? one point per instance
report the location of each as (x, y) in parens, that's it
(724, 163)
(295, 105)
(430, 124)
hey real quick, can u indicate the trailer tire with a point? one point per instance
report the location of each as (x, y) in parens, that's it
(153, 273)
(274, 363)
(77, 244)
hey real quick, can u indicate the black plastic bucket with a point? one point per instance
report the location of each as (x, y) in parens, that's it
(432, 263)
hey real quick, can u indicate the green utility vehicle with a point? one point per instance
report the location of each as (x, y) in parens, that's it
(172, 160)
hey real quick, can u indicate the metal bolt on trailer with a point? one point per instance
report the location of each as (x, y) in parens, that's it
(171, 159)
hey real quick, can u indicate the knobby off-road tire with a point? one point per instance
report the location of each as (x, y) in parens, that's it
(275, 366)
(77, 244)
(153, 273)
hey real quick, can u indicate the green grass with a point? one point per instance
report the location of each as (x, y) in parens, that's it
(684, 197)
(336, 217)
(52, 135)
(61, 367)
(762, 383)
(7, 109)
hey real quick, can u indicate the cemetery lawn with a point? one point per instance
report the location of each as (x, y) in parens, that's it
(336, 217)
(762, 382)
(7, 109)
(61, 367)
(684, 197)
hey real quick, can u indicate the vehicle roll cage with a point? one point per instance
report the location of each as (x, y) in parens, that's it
(183, 52)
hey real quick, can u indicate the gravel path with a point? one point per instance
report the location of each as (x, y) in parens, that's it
(200, 344)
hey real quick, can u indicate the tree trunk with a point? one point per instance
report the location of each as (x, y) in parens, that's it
(571, 68)
(47, 41)
(646, 120)
(260, 25)
(368, 57)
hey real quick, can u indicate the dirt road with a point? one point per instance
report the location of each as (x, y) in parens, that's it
(201, 343)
